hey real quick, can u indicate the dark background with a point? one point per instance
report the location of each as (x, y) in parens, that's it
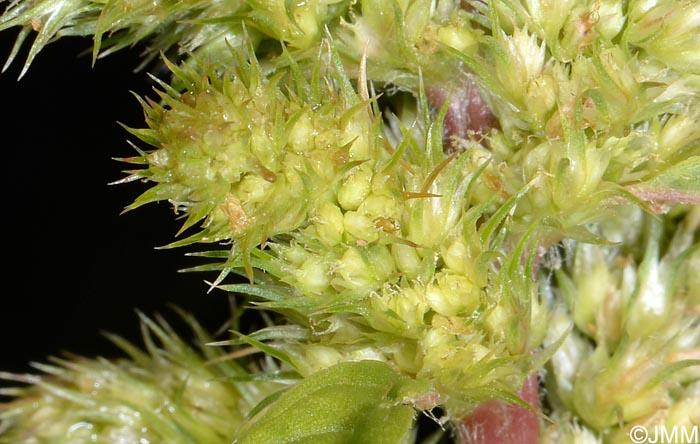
(72, 265)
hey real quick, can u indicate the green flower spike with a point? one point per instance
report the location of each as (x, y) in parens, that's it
(245, 157)
(644, 327)
(121, 24)
(369, 282)
(170, 393)
(350, 249)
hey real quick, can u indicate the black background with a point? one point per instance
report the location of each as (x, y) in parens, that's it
(72, 265)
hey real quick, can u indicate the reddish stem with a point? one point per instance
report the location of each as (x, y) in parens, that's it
(498, 422)
(467, 113)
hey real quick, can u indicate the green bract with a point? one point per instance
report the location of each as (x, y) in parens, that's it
(431, 202)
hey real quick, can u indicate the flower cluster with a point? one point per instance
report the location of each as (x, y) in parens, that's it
(476, 194)
(169, 393)
(633, 358)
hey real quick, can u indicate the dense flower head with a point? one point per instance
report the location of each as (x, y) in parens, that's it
(637, 338)
(232, 150)
(169, 392)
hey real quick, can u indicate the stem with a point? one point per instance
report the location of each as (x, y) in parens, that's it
(467, 115)
(498, 422)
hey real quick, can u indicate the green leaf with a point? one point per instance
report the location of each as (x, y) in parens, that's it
(349, 403)
(678, 184)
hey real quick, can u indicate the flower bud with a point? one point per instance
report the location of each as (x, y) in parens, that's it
(301, 136)
(650, 304)
(677, 133)
(460, 38)
(329, 224)
(577, 33)
(498, 322)
(407, 259)
(683, 414)
(313, 277)
(521, 60)
(320, 356)
(360, 227)
(381, 205)
(400, 311)
(364, 268)
(171, 393)
(456, 255)
(293, 253)
(594, 283)
(668, 30)
(611, 18)
(561, 431)
(298, 23)
(253, 188)
(356, 187)
(540, 100)
(451, 294)
(544, 16)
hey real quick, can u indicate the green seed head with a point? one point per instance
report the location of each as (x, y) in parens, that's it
(644, 330)
(169, 393)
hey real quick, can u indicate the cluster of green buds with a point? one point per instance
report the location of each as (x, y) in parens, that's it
(582, 101)
(246, 158)
(171, 392)
(398, 180)
(633, 358)
(318, 197)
